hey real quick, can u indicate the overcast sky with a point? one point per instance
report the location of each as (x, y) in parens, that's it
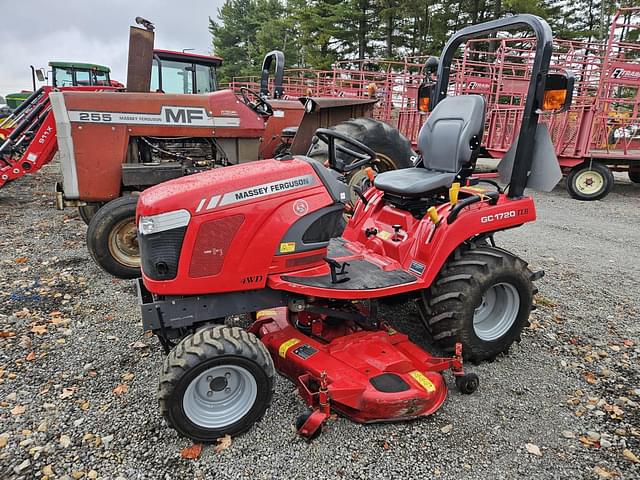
(33, 32)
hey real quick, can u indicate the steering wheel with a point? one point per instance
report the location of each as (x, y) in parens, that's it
(255, 102)
(363, 155)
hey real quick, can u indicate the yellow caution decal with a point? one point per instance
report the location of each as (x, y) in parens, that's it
(287, 247)
(383, 235)
(265, 313)
(285, 346)
(422, 380)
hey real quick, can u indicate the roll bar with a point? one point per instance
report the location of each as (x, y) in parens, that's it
(535, 94)
(278, 90)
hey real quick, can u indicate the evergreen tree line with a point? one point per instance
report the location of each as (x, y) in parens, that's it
(316, 33)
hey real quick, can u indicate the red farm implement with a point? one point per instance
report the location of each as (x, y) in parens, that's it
(601, 130)
(29, 134)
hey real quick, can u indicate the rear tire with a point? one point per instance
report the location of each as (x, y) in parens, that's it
(112, 238)
(481, 298)
(393, 150)
(590, 181)
(217, 381)
(634, 174)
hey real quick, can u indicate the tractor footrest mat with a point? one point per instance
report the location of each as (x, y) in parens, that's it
(336, 248)
(360, 275)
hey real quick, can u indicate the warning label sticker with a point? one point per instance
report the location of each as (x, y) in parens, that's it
(285, 346)
(422, 380)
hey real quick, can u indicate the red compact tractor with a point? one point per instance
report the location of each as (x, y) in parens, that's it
(264, 239)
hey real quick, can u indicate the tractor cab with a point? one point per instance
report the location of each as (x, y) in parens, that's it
(181, 72)
(73, 74)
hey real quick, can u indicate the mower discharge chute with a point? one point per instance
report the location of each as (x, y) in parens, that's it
(263, 239)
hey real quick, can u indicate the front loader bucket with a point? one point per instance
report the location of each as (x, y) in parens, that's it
(325, 112)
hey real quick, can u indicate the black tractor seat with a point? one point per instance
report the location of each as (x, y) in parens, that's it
(413, 182)
(448, 143)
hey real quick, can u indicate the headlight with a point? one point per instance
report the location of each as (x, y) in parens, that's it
(163, 221)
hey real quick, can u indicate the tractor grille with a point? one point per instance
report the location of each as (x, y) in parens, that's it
(160, 253)
(212, 245)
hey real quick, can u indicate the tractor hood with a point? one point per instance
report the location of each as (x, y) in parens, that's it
(229, 187)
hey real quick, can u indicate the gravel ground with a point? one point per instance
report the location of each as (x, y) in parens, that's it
(78, 377)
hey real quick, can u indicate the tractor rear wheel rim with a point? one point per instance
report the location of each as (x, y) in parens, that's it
(497, 313)
(123, 243)
(220, 396)
(589, 182)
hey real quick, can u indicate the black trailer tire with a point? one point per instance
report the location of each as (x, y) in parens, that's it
(481, 298)
(393, 149)
(88, 211)
(112, 238)
(217, 366)
(590, 181)
(634, 174)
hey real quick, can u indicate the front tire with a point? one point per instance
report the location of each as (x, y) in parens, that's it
(217, 381)
(481, 298)
(112, 238)
(590, 181)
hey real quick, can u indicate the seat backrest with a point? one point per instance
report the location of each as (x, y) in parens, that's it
(446, 141)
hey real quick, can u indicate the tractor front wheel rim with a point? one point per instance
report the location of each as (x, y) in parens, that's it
(123, 243)
(497, 313)
(220, 396)
(589, 182)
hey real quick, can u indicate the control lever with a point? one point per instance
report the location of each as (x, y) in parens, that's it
(337, 269)
(396, 229)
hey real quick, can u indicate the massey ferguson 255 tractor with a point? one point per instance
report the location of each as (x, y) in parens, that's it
(263, 239)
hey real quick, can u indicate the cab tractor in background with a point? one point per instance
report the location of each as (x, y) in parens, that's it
(28, 134)
(114, 145)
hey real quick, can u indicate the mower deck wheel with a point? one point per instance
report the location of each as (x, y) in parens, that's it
(301, 420)
(467, 383)
(481, 298)
(112, 238)
(634, 174)
(216, 381)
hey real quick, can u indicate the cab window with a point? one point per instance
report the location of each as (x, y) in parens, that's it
(100, 78)
(176, 77)
(63, 77)
(205, 79)
(83, 78)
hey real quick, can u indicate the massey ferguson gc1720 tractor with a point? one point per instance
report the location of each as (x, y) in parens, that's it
(264, 239)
